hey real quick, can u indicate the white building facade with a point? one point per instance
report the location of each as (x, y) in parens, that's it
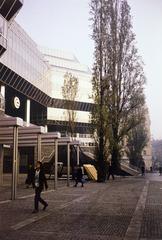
(61, 63)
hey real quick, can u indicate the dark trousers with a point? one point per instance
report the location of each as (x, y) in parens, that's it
(38, 198)
(77, 180)
(111, 175)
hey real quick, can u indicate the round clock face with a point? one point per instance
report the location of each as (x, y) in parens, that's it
(16, 102)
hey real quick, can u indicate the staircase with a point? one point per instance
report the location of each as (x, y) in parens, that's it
(129, 170)
(126, 168)
(48, 153)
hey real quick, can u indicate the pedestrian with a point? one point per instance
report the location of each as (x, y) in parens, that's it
(110, 172)
(143, 170)
(79, 176)
(160, 171)
(29, 179)
(39, 183)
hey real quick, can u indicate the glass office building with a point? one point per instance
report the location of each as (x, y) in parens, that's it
(35, 77)
(8, 10)
(26, 75)
(23, 58)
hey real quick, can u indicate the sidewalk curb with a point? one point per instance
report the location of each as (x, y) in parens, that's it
(133, 231)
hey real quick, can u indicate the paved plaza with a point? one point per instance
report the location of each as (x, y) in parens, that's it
(123, 209)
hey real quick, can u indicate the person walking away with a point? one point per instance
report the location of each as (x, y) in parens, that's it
(110, 172)
(143, 170)
(79, 176)
(39, 183)
(160, 171)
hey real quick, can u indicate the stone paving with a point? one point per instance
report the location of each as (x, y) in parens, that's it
(124, 209)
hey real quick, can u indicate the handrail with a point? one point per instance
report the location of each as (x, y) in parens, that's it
(50, 156)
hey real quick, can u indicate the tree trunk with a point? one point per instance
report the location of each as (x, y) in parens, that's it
(115, 160)
(101, 165)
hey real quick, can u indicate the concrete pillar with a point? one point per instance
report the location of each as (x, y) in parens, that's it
(39, 150)
(2, 90)
(78, 160)
(46, 128)
(15, 163)
(18, 167)
(56, 162)
(2, 100)
(1, 164)
(27, 117)
(68, 164)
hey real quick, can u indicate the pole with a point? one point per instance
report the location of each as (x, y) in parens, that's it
(15, 163)
(68, 164)
(1, 164)
(39, 153)
(78, 160)
(56, 162)
(28, 112)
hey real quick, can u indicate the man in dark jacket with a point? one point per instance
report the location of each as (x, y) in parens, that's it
(39, 181)
(78, 176)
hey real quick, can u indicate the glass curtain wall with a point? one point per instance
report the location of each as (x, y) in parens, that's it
(23, 57)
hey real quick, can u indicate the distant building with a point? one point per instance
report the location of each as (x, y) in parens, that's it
(157, 153)
(147, 152)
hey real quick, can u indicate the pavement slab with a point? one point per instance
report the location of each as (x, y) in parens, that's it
(124, 209)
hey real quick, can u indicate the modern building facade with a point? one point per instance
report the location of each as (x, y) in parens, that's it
(61, 63)
(27, 84)
(8, 11)
(34, 80)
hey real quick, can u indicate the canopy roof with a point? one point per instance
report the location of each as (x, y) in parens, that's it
(28, 135)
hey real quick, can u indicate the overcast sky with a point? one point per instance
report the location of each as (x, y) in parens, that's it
(64, 24)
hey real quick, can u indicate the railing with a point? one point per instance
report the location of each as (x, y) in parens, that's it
(49, 157)
(134, 167)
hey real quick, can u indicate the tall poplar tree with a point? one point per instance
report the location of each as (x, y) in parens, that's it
(118, 78)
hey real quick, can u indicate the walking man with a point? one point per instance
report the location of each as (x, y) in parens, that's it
(79, 176)
(110, 172)
(39, 183)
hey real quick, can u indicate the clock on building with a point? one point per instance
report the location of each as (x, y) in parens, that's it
(16, 102)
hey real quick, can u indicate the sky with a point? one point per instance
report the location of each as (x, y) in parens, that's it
(65, 24)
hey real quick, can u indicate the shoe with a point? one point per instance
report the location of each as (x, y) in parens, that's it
(35, 211)
(45, 206)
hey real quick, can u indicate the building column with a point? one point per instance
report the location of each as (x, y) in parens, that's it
(1, 164)
(46, 128)
(39, 148)
(27, 117)
(56, 163)
(15, 163)
(2, 90)
(2, 104)
(68, 164)
(78, 160)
